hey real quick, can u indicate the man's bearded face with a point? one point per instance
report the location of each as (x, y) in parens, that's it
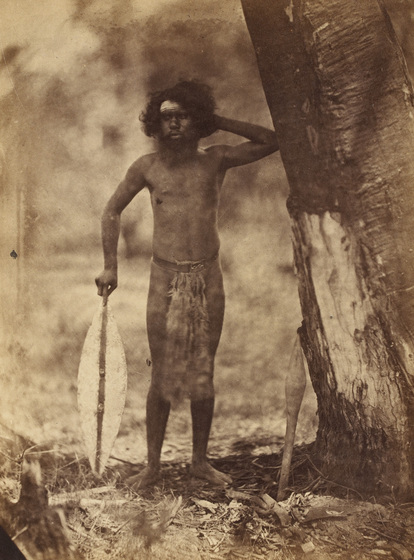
(177, 127)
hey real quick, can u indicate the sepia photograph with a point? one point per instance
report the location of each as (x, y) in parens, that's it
(207, 279)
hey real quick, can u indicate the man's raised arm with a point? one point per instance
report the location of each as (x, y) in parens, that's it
(134, 182)
(262, 141)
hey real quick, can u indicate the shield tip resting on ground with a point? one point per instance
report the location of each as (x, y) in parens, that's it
(102, 382)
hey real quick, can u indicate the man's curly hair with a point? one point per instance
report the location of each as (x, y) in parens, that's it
(195, 97)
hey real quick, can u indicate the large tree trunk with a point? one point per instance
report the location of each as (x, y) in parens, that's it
(342, 105)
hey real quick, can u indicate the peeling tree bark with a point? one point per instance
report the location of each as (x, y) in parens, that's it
(342, 105)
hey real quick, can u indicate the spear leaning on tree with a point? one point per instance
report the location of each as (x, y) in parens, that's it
(294, 388)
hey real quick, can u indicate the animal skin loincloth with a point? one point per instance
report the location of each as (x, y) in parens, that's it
(184, 320)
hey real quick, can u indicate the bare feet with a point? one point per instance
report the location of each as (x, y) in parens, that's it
(147, 477)
(207, 472)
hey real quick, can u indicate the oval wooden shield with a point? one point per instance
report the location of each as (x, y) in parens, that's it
(102, 383)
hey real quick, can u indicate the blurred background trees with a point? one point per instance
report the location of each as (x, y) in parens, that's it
(73, 81)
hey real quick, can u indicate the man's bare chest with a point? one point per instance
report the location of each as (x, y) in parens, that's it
(193, 180)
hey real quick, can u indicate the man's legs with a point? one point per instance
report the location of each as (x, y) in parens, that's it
(202, 416)
(202, 409)
(158, 411)
(157, 408)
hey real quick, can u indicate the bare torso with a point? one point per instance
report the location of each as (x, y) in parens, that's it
(184, 182)
(185, 197)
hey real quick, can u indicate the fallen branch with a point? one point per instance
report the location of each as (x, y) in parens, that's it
(75, 498)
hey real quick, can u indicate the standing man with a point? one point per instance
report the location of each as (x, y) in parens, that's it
(186, 297)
